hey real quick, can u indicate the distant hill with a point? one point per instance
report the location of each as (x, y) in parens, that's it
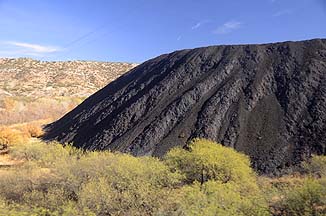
(24, 77)
(32, 90)
(267, 101)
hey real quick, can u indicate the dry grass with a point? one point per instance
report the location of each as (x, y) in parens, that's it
(33, 130)
(8, 161)
(8, 103)
(16, 110)
(20, 133)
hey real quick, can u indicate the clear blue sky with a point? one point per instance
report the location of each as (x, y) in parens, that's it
(136, 30)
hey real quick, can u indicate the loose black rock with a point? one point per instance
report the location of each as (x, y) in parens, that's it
(268, 101)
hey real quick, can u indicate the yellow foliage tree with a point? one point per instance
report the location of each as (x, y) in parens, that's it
(10, 136)
(206, 160)
(33, 130)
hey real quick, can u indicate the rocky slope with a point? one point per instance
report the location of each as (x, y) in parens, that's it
(31, 78)
(267, 100)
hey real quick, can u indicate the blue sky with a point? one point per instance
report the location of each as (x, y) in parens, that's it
(136, 30)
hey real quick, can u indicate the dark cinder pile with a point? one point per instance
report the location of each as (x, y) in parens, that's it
(268, 101)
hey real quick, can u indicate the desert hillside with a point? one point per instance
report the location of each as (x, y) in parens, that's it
(206, 178)
(24, 77)
(163, 108)
(32, 90)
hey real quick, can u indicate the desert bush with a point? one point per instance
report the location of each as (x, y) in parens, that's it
(54, 177)
(219, 180)
(316, 166)
(275, 189)
(44, 154)
(125, 184)
(206, 160)
(14, 184)
(295, 195)
(33, 130)
(309, 199)
(207, 179)
(10, 136)
(217, 198)
(14, 209)
(15, 110)
(19, 134)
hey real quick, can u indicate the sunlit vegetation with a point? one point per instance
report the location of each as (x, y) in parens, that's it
(205, 161)
(59, 180)
(20, 133)
(203, 179)
(302, 193)
(17, 110)
(316, 166)
(10, 136)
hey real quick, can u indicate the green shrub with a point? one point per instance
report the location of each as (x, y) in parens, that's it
(206, 160)
(45, 154)
(58, 179)
(216, 198)
(7, 209)
(132, 186)
(207, 179)
(219, 181)
(316, 166)
(309, 199)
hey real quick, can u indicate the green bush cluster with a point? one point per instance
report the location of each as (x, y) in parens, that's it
(57, 180)
(302, 194)
(308, 199)
(206, 179)
(316, 166)
(219, 180)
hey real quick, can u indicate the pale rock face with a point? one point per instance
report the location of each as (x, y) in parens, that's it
(268, 101)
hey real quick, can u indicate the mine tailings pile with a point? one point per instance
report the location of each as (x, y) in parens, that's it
(268, 101)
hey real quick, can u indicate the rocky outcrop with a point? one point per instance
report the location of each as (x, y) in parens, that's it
(268, 101)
